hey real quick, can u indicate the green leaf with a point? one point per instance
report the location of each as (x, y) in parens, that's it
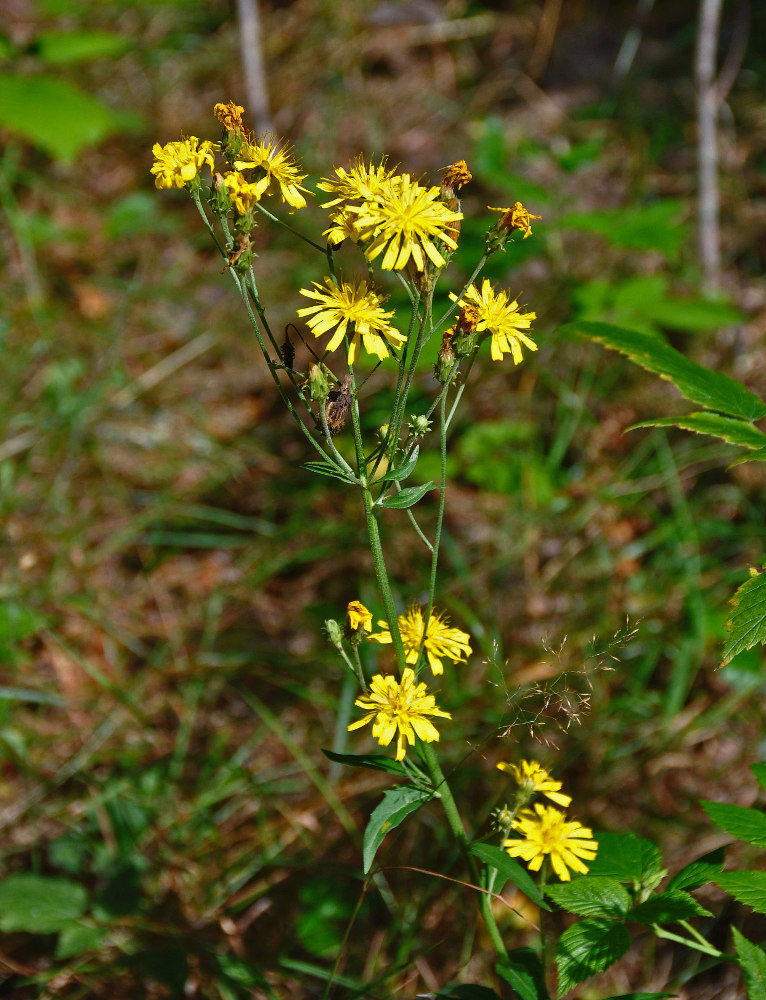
(375, 761)
(747, 624)
(747, 887)
(497, 858)
(752, 960)
(668, 907)
(65, 47)
(592, 896)
(39, 904)
(525, 974)
(77, 938)
(759, 770)
(738, 432)
(406, 469)
(53, 114)
(637, 227)
(708, 388)
(626, 857)
(589, 947)
(407, 498)
(397, 804)
(745, 824)
(699, 872)
(328, 469)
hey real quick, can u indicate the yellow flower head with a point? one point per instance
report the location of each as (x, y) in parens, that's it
(359, 616)
(243, 194)
(403, 220)
(230, 116)
(272, 160)
(351, 308)
(502, 318)
(178, 163)
(399, 706)
(342, 227)
(532, 777)
(441, 639)
(360, 183)
(516, 217)
(546, 832)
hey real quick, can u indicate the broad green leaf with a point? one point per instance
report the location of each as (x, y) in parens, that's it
(745, 824)
(642, 227)
(752, 961)
(525, 974)
(62, 47)
(713, 390)
(747, 624)
(667, 908)
(77, 938)
(592, 896)
(406, 469)
(39, 904)
(53, 114)
(497, 858)
(328, 469)
(376, 762)
(738, 432)
(748, 887)
(699, 872)
(589, 947)
(407, 498)
(759, 770)
(397, 804)
(626, 857)
(466, 991)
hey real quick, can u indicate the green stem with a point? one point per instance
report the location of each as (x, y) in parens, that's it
(704, 947)
(295, 232)
(439, 519)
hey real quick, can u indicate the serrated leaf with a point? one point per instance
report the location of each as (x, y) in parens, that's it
(397, 804)
(698, 873)
(747, 625)
(524, 973)
(406, 469)
(747, 887)
(497, 858)
(752, 961)
(406, 498)
(64, 47)
(589, 947)
(376, 762)
(328, 469)
(592, 896)
(626, 857)
(745, 824)
(713, 390)
(759, 770)
(53, 114)
(38, 904)
(738, 432)
(667, 908)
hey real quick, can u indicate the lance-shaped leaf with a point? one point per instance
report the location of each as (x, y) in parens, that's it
(499, 859)
(397, 804)
(406, 498)
(375, 761)
(328, 469)
(747, 624)
(408, 467)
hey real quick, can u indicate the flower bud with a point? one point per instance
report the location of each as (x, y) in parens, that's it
(319, 382)
(419, 426)
(446, 358)
(334, 633)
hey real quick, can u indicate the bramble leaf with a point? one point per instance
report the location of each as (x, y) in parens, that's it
(668, 908)
(704, 869)
(730, 429)
(589, 947)
(592, 896)
(626, 857)
(747, 887)
(745, 824)
(752, 960)
(747, 625)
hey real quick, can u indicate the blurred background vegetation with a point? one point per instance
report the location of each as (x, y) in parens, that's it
(168, 564)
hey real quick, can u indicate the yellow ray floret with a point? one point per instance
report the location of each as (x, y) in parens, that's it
(272, 160)
(441, 640)
(502, 318)
(351, 308)
(546, 832)
(399, 708)
(177, 163)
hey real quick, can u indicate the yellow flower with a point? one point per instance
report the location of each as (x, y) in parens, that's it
(399, 706)
(273, 159)
(178, 163)
(230, 116)
(403, 219)
(503, 320)
(532, 777)
(516, 217)
(546, 831)
(441, 639)
(361, 183)
(351, 308)
(342, 227)
(359, 616)
(243, 194)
